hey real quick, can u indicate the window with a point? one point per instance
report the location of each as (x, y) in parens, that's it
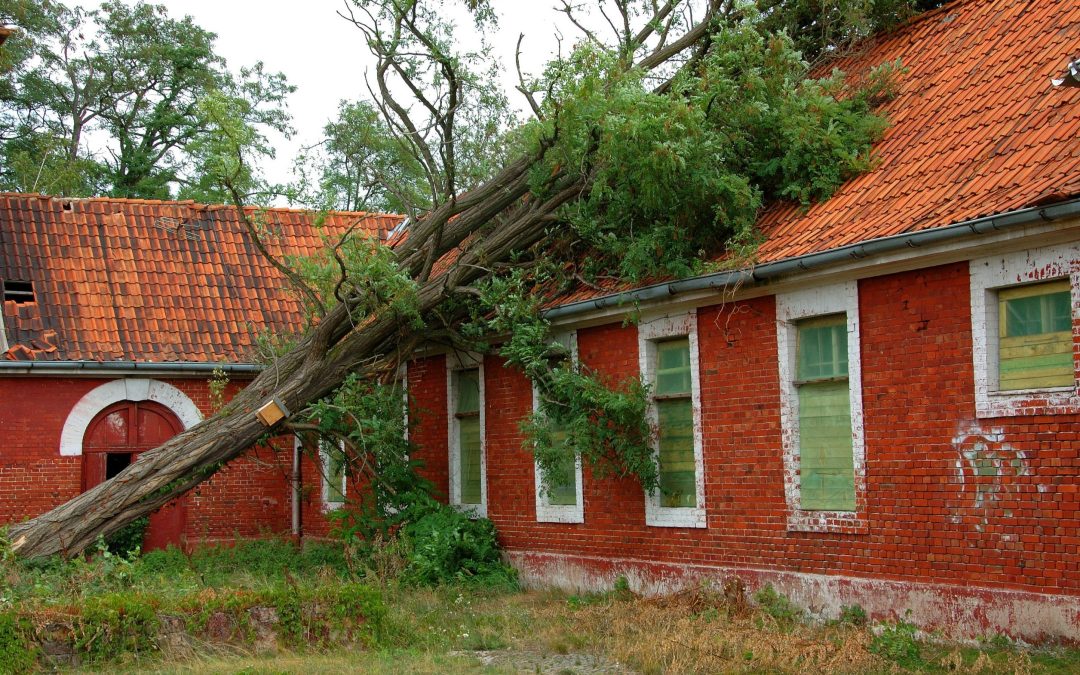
(1022, 314)
(821, 407)
(675, 423)
(561, 502)
(668, 355)
(466, 429)
(335, 476)
(827, 474)
(19, 292)
(1035, 336)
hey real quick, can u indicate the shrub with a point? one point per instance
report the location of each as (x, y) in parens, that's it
(128, 540)
(777, 605)
(853, 615)
(897, 642)
(448, 546)
(117, 624)
(16, 655)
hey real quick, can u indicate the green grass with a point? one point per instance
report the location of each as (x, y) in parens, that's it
(446, 628)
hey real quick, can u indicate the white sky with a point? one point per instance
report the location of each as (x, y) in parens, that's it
(324, 56)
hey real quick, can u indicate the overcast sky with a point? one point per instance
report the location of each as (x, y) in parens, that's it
(324, 56)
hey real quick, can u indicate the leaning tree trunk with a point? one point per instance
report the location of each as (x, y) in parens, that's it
(310, 371)
(490, 223)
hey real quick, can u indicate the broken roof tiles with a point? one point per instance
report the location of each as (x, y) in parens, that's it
(140, 280)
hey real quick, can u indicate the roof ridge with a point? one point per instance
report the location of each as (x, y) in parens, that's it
(192, 204)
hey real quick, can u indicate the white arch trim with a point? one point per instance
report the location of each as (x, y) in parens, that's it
(132, 389)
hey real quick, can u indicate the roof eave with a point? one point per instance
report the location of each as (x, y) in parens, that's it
(813, 261)
(121, 368)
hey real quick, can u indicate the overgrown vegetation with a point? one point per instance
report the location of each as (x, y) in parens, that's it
(167, 611)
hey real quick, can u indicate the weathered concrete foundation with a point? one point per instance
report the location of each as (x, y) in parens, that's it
(959, 612)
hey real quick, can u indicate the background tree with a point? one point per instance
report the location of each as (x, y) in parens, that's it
(823, 28)
(107, 101)
(359, 166)
(657, 143)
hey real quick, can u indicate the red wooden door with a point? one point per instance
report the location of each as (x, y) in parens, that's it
(114, 439)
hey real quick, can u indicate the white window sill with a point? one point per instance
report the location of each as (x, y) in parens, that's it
(1021, 402)
(845, 522)
(559, 514)
(669, 516)
(472, 510)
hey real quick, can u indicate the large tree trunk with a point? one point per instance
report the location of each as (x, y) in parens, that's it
(308, 372)
(494, 221)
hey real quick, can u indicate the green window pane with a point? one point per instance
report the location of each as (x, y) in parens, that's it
(673, 374)
(469, 459)
(822, 348)
(561, 490)
(468, 390)
(678, 486)
(826, 464)
(335, 477)
(1038, 314)
(1035, 348)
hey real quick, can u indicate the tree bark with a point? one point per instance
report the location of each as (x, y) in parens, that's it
(495, 221)
(312, 370)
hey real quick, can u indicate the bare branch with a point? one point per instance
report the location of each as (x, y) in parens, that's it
(528, 93)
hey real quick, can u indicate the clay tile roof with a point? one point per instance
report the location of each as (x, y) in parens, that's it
(155, 281)
(977, 128)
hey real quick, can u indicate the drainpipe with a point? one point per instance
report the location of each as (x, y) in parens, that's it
(297, 490)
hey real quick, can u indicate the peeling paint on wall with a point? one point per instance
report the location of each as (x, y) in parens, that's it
(987, 467)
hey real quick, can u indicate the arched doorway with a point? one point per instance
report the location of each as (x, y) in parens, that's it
(114, 439)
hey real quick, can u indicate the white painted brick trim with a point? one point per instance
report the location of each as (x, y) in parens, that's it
(990, 274)
(115, 391)
(650, 330)
(456, 362)
(839, 298)
(559, 513)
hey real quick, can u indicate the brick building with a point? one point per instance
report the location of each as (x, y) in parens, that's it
(883, 411)
(115, 315)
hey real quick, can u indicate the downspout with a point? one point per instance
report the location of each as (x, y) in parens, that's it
(773, 270)
(297, 480)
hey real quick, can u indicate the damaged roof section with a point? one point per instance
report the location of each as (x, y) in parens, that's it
(976, 128)
(149, 281)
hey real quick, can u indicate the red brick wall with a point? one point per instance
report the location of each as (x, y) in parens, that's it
(247, 498)
(926, 519)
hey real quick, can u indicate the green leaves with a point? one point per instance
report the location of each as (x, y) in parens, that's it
(580, 413)
(676, 176)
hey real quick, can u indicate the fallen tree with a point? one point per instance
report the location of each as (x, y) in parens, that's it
(645, 156)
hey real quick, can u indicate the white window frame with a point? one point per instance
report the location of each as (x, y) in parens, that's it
(324, 479)
(454, 363)
(650, 331)
(403, 377)
(990, 275)
(545, 511)
(838, 298)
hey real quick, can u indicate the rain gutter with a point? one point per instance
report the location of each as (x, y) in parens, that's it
(805, 263)
(119, 367)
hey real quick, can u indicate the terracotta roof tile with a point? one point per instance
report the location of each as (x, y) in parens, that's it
(976, 128)
(149, 281)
